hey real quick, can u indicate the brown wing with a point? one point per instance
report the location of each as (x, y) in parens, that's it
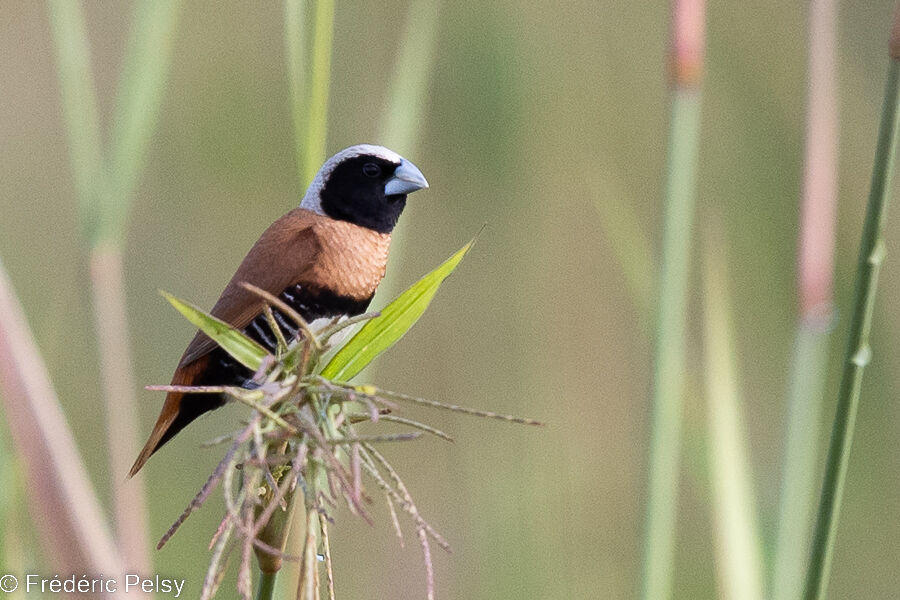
(283, 255)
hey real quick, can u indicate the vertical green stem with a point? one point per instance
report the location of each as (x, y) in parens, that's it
(630, 243)
(310, 114)
(686, 73)
(801, 452)
(138, 103)
(737, 540)
(815, 273)
(403, 122)
(266, 586)
(295, 48)
(858, 355)
(105, 184)
(403, 119)
(319, 84)
(668, 373)
(79, 105)
(308, 581)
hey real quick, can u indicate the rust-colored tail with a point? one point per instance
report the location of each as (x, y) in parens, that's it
(178, 410)
(164, 422)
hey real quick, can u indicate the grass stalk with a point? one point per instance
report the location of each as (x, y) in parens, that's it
(309, 72)
(668, 370)
(80, 107)
(117, 378)
(631, 245)
(68, 514)
(295, 50)
(316, 131)
(105, 185)
(403, 123)
(871, 255)
(308, 581)
(809, 370)
(737, 537)
(266, 586)
(809, 363)
(138, 102)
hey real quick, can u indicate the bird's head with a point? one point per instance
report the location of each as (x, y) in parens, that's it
(365, 185)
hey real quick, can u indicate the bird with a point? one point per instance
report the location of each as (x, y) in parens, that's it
(324, 258)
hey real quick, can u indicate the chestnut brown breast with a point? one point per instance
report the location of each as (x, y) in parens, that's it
(351, 260)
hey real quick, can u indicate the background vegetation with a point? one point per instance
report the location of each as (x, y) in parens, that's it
(549, 124)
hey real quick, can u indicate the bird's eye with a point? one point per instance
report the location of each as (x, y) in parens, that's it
(371, 170)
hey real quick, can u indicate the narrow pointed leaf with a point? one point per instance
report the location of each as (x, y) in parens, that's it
(239, 346)
(396, 319)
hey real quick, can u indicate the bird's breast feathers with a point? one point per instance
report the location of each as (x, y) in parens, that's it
(351, 260)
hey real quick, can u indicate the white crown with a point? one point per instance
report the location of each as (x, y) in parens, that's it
(311, 200)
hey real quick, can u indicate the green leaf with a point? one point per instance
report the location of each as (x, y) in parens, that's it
(239, 346)
(380, 333)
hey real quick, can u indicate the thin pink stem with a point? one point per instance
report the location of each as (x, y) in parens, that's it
(686, 52)
(817, 219)
(61, 498)
(129, 497)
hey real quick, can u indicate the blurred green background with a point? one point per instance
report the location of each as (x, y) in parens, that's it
(542, 120)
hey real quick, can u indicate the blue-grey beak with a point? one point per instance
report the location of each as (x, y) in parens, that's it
(407, 179)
